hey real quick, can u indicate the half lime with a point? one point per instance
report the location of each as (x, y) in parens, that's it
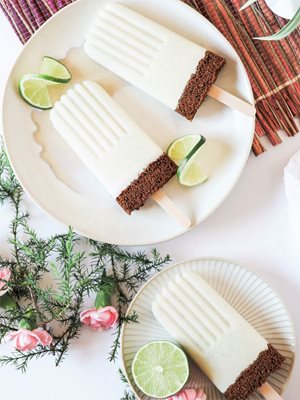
(160, 369)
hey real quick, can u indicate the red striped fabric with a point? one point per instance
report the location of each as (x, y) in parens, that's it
(273, 67)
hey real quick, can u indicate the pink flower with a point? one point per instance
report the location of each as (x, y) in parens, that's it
(189, 394)
(100, 319)
(24, 340)
(5, 275)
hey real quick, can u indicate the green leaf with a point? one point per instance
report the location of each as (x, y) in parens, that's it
(103, 299)
(247, 4)
(7, 302)
(29, 320)
(286, 30)
(27, 324)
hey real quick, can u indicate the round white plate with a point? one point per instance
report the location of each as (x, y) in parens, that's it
(249, 294)
(56, 179)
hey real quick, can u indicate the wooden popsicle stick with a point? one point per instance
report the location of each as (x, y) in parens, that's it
(170, 208)
(269, 393)
(232, 101)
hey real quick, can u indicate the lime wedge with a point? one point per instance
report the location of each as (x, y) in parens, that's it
(185, 152)
(180, 148)
(190, 171)
(34, 90)
(160, 369)
(191, 174)
(55, 71)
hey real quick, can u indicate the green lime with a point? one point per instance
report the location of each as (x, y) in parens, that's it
(180, 148)
(55, 71)
(34, 90)
(191, 175)
(160, 369)
(190, 171)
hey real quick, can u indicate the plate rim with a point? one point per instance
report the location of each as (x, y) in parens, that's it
(124, 241)
(208, 258)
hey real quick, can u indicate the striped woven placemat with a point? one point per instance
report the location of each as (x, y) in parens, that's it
(273, 67)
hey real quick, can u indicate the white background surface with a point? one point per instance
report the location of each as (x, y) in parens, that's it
(250, 227)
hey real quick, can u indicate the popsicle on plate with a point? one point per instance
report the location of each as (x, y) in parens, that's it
(165, 65)
(236, 358)
(128, 163)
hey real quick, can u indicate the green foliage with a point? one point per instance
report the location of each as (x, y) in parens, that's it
(51, 279)
(284, 32)
(128, 395)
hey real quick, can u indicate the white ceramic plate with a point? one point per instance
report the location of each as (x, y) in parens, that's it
(56, 179)
(249, 294)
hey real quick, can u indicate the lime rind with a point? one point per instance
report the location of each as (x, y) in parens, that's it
(55, 71)
(194, 150)
(184, 152)
(49, 80)
(181, 148)
(160, 369)
(190, 173)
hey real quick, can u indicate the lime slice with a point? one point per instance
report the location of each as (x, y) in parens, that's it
(190, 171)
(55, 71)
(180, 148)
(34, 90)
(160, 369)
(185, 152)
(191, 175)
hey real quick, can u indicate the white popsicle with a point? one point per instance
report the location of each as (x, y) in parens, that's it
(156, 60)
(105, 138)
(127, 162)
(218, 339)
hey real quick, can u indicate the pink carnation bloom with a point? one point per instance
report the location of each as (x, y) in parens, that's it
(189, 394)
(101, 319)
(5, 275)
(24, 340)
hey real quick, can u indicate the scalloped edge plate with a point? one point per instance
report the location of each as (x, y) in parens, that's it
(247, 292)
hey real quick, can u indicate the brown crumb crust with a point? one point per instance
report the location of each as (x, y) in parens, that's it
(255, 375)
(153, 178)
(199, 84)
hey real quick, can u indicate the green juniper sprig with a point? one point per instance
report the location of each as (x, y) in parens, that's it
(128, 395)
(51, 278)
